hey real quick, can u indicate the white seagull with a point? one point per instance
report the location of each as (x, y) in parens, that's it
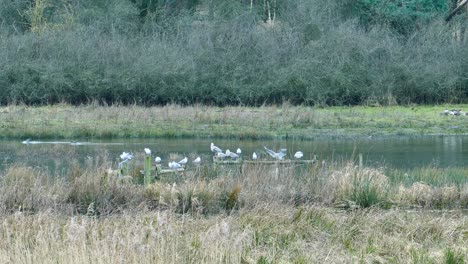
(157, 160)
(239, 151)
(279, 156)
(148, 151)
(126, 156)
(254, 156)
(231, 154)
(183, 161)
(299, 155)
(197, 160)
(220, 155)
(215, 148)
(174, 165)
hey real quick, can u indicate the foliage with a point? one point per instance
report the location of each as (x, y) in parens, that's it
(223, 53)
(404, 16)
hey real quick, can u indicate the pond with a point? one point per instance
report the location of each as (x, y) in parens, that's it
(396, 152)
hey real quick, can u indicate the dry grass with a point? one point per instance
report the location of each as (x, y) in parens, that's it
(206, 190)
(272, 233)
(240, 122)
(261, 214)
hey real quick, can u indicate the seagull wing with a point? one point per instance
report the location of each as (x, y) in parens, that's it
(271, 152)
(281, 154)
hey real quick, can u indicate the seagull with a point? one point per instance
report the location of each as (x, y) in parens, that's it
(220, 155)
(453, 112)
(174, 165)
(254, 156)
(299, 155)
(157, 160)
(238, 151)
(215, 148)
(279, 156)
(183, 161)
(197, 160)
(126, 156)
(231, 154)
(148, 151)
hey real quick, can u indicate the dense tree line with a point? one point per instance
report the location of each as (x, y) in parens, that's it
(227, 52)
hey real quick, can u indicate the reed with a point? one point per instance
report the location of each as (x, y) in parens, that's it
(262, 214)
(267, 233)
(211, 190)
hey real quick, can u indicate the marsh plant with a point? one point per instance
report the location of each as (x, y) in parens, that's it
(262, 214)
(225, 188)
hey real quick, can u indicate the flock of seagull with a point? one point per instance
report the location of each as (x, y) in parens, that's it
(276, 155)
(218, 153)
(454, 112)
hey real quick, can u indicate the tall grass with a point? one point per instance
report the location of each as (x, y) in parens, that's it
(252, 217)
(261, 214)
(311, 55)
(96, 190)
(265, 234)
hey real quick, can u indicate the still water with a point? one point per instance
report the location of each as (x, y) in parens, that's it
(397, 152)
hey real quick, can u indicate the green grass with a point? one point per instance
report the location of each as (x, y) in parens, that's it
(431, 175)
(454, 257)
(92, 121)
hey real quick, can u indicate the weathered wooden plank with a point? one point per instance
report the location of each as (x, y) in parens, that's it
(280, 161)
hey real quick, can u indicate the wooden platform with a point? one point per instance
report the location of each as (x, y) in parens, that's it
(160, 170)
(266, 162)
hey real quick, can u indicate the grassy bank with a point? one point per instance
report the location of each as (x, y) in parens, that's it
(91, 121)
(330, 213)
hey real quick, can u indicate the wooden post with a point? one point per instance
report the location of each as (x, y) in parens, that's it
(147, 168)
(360, 161)
(126, 168)
(122, 169)
(157, 171)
